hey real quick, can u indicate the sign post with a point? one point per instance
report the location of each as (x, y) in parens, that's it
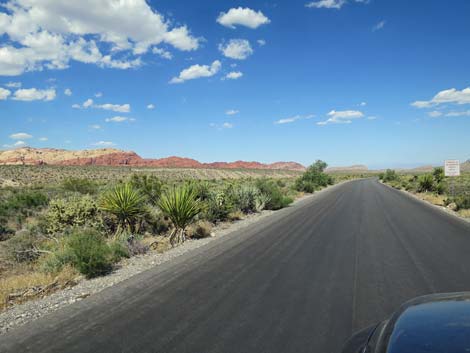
(452, 169)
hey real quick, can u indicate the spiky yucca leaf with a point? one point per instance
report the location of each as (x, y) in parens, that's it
(126, 204)
(181, 206)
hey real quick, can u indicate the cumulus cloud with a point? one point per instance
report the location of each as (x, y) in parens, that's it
(4, 93)
(234, 75)
(20, 136)
(16, 144)
(261, 42)
(452, 96)
(435, 114)
(342, 117)
(89, 103)
(238, 49)
(33, 94)
(162, 53)
(293, 119)
(197, 71)
(43, 139)
(455, 114)
(98, 95)
(68, 92)
(151, 106)
(243, 17)
(103, 144)
(108, 33)
(225, 125)
(232, 112)
(95, 127)
(119, 119)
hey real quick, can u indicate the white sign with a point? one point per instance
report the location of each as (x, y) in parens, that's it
(452, 168)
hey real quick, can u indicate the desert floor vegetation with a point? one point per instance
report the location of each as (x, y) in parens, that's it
(59, 225)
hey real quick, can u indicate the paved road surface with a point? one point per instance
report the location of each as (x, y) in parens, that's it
(301, 281)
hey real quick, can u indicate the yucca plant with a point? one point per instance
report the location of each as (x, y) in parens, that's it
(126, 204)
(181, 206)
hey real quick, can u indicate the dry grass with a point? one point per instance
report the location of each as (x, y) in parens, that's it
(438, 200)
(464, 213)
(19, 288)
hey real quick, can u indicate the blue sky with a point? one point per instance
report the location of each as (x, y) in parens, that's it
(379, 82)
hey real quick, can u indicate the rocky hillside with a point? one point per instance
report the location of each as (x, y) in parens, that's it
(115, 157)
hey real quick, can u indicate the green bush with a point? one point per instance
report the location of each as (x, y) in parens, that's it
(462, 202)
(55, 262)
(82, 186)
(23, 247)
(438, 174)
(245, 197)
(425, 183)
(217, 207)
(389, 175)
(119, 250)
(276, 198)
(72, 212)
(89, 253)
(149, 186)
(314, 178)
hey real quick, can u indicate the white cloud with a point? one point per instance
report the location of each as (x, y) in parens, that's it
(363, 104)
(4, 93)
(88, 103)
(76, 106)
(13, 84)
(371, 118)
(331, 4)
(455, 114)
(49, 34)
(151, 106)
(227, 125)
(327, 4)
(103, 144)
(293, 119)
(119, 119)
(20, 136)
(261, 42)
(43, 139)
(243, 17)
(119, 108)
(19, 144)
(238, 49)
(68, 92)
(232, 112)
(197, 71)
(95, 127)
(435, 114)
(234, 75)
(98, 95)
(452, 95)
(342, 117)
(378, 26)
(33, 94)
(162, 53)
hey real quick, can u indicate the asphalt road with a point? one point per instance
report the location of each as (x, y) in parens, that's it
(300, 281)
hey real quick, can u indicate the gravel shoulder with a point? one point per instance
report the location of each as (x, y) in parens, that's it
(21, 314)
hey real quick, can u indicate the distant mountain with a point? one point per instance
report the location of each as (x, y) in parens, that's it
(353, 168)
(115, 157)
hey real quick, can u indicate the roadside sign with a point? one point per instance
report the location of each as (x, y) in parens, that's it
(452, 168)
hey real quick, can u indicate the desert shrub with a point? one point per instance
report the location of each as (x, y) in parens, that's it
(217, 206)
(90, 254)
(462, 202)
(119, 250)
(389, 175)
(72, 212)
(57, 260)
(126, 204)
(244, 197)
(425, 183)
(149, 186)
(82, 186)
(314, 178)
(438, 174)
(17, 205)
(181, 205)
(276, 199)
(441, 188)
(23, 247)
(200, 230)
(203, 190)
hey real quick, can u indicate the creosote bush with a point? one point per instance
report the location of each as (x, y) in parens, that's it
(275, 198)
(80, 185)
(314, 178)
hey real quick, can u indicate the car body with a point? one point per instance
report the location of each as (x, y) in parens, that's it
(438, 323)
